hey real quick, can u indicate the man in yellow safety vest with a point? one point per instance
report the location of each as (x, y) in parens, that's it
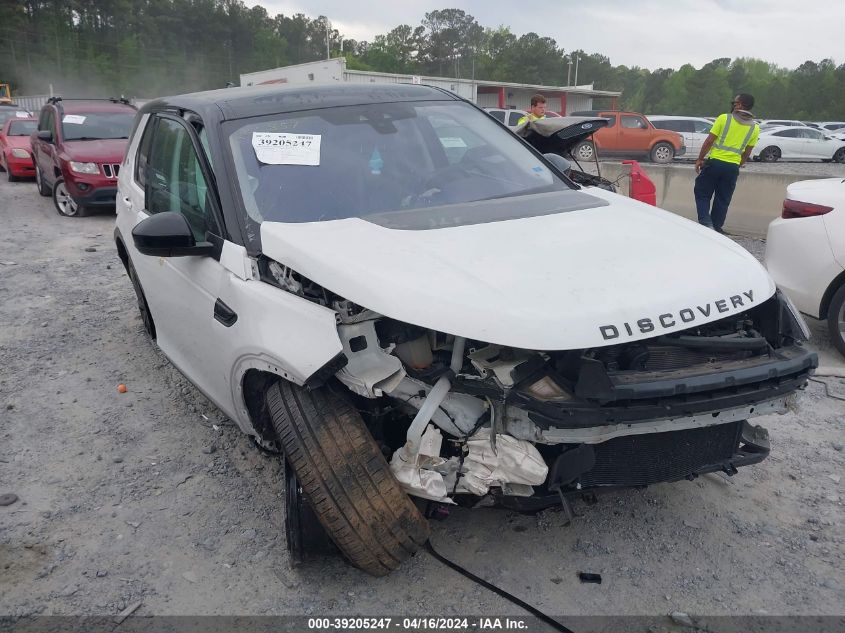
(729, 144)
(537, 111)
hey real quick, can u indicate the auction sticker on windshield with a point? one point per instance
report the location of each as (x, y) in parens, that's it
(281, 148)
(73, 118)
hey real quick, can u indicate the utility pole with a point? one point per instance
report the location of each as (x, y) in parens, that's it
(569, 72)
(328, 25)
(577, 59)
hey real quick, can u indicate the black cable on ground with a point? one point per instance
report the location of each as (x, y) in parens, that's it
(520, 603)
(827, 390)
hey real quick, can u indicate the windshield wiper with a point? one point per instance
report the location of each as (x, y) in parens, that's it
(85, 138)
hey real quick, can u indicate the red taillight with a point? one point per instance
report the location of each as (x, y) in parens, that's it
(796, 209)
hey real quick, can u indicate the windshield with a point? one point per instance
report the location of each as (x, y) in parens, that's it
(99, 125)
(9, 113)
(21, 128)
(359, 160)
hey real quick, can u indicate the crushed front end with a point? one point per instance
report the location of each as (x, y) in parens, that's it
(468, 421)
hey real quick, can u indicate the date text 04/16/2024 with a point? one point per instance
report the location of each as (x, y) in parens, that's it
(481, 624)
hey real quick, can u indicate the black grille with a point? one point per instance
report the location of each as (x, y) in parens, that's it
(641, 460)
(111, 171)
(670, 357)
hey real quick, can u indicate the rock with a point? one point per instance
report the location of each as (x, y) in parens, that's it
(835, 478)
(837, 446)
(8, 499)
(90, 249)
(117, 460)
(127, 612)
(556, 581)
(45, 324)
(102, 573)
(248, 534)
(134, 524)
(208, 450)
(679, 617)
(190, 576)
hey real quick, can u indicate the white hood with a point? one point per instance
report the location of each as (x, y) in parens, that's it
(571, 280)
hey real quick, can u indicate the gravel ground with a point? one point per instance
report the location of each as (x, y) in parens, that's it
(154, 496)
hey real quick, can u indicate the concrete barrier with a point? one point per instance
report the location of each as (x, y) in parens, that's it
(757, 200)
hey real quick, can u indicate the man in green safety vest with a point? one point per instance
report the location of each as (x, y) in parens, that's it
(537, 111)
(729, 144)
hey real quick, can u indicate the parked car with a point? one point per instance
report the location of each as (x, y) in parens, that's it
(15, 148)
(833, 126)
(797, 143)
(694, 130)
(805, 251)
(511, 117)
(78, 149)
(431, 273)
(630, 133)
(10, 111)
(780, 123)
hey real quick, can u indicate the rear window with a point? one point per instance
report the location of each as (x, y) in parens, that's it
(96, 126)
(354, 161)
(22, 128)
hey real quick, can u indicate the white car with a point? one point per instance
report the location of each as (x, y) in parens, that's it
(694, 130)
(781, 123)
(797, 143)
(833, 126)
(359, 272)
(805, 251)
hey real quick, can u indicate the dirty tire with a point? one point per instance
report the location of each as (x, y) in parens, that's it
(662, 153)
(143, 307)
(42, 187)
(585, 150)
(770, 154)
(346, 478)
(836, 320)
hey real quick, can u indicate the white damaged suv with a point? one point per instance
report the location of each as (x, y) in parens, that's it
(411, 303)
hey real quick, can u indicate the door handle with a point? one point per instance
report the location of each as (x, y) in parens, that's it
(224, 313)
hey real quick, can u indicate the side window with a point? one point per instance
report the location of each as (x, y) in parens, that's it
(789, 133)
(514, 117)
(702, 127)
(143, 158)
(812, 134)
(175, 181)
(498, 115)
(633, 122)
(674, 126)
(686, 126)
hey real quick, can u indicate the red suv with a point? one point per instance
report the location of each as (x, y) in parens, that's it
(77, 150)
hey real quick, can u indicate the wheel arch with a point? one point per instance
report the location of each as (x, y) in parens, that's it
(834, 285)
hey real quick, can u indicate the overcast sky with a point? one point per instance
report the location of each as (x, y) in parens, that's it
(648, 33)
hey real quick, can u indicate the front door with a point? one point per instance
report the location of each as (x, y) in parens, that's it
(634, 133)
(167, 175)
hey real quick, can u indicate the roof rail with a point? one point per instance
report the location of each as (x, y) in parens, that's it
(120, 99)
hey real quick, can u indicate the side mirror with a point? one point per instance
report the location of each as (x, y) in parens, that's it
(559, 161)
(45, 135)
(168, 235)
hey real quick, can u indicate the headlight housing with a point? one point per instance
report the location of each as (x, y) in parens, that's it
(20, 153)
(84, 168)
(797, 317)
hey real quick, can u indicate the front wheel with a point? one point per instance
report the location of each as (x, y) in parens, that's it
(770, 154)
(839, 156)
(65, 204)
(345, 478)
(143, 306)
(584, 151)
(662, 153)
(836, 320)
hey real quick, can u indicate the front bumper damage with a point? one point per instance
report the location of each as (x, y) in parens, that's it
(470, 422)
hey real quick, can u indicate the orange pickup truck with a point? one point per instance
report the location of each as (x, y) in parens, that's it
(629, 133)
